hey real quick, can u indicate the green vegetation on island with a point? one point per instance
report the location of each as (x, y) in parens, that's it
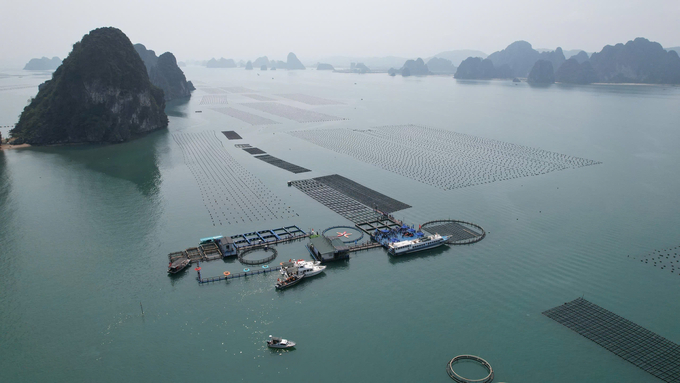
(101, 93)
(165, 73)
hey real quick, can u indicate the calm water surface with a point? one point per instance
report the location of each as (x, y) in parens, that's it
(85, 232)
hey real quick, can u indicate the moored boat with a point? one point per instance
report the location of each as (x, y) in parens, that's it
(276, 342)
(178, 265)
(418, 244)
(288, 281)
(302, 267)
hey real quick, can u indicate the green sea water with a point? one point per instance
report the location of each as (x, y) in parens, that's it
(85, 232)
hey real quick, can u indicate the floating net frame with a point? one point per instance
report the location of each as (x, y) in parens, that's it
(257, 261)
(462, 379)
(343, 227)
(477, 236)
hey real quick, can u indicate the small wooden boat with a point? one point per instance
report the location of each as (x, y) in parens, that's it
(178, 265)
(275, 342)
(288, 281)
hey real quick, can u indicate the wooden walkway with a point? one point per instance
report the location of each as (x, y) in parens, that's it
(263, 244)
(365, 246)
(238, 275)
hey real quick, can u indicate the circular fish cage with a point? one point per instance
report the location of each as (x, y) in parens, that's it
(344, 234)
(460, 232)
(461, 379)
(269, 258)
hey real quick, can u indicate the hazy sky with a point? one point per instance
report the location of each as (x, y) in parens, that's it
(199, 29)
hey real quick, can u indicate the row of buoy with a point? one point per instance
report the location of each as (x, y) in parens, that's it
(657, 256)
(428, 155)
(230, 193)
(227, 273)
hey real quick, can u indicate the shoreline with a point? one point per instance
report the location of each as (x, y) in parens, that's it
(10, 146)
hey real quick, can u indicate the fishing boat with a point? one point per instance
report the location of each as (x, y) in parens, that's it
(178, 265)
(302, 267)
(288, 281)
(275, 342)
(418, 244)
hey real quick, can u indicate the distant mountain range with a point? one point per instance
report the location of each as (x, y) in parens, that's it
(456, 57)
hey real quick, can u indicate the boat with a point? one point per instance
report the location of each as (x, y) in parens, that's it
(288, 281)
(178, 265)
(275, 342)
(418, 244)
(302, 267)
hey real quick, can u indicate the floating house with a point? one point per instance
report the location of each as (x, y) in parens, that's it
(324, 249)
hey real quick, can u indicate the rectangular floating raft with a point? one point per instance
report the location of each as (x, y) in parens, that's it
(231, 135)
(281, 163)
(635, 344)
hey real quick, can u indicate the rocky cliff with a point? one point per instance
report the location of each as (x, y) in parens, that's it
(322, 66)
(637, 61)
(260, 61)
(415, 68)
(101, 93)
(581, 57)
(474, 68)
(573, 72)
(440, 66)
(249, 65)
(542, 73)
(555, 57)
(519, 56)
(164, 73)
(43, 64)
(293, 63)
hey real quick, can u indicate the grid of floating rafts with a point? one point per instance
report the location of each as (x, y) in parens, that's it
(214, 100)
(351, 200)
(310, 100)
(637, 345)
(252, 150)
(230, 193)
(459, 232)
(246, 117)
(444, 159)
(241, 146)
(285, 165)
(291, 112)
(258, 97)
(663, 259)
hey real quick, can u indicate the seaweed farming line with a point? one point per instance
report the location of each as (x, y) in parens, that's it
(258, 97)
(230, 193)
(633, 343)
(237, 89)
(291, 112)
(443, 159)
(210, 100)
(211, 90)
(309, 100)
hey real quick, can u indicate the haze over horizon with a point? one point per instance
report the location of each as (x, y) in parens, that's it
(312, 29)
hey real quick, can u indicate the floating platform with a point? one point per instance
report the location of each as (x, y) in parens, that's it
(635, 344)
(265, 237)
(285, 165)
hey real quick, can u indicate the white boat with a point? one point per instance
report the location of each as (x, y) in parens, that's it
(418, 244)
(302, 268)
(275, 342)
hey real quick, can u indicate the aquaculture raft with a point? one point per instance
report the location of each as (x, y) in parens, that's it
(459, 232)
(635, 344)
(461, 379)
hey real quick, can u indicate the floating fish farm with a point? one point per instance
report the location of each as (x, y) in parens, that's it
(444, 159)
(635, 344)
(291, 112)
(230, 193)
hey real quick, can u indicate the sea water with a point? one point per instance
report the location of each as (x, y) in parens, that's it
(85, 232)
